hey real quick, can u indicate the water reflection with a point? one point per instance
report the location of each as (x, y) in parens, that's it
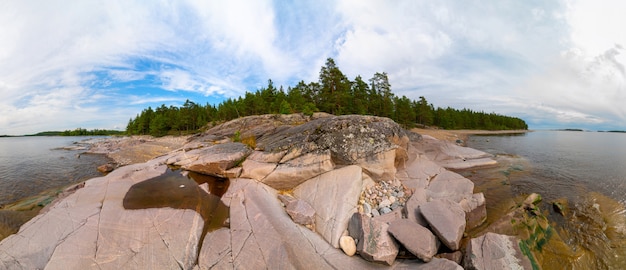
(174, 190)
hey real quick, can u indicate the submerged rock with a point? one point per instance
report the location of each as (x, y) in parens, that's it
(495, 251)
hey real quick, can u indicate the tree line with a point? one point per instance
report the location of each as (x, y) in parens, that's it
(80, 132)
(333, 93)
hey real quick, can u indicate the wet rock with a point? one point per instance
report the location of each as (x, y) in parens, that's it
(301, 212)
(334, 196)
(374, 242)
(348, 245)
(447, 220)
(418, 240)
(495, 251)
(531, 201)
(106, 168)
(560, 206)
(296, 171)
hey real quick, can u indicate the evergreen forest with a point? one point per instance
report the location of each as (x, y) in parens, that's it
(333, 93)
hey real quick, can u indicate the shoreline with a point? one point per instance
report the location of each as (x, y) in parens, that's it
(452, 135)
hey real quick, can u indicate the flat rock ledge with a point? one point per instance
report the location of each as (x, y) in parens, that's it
(274, 192)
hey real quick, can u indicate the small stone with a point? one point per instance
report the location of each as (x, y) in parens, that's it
(384, 203)
(375, 213)
(401, 194)
(392, 199)
(395, 205)
(385, 210)
(348, 245)
(367, 208)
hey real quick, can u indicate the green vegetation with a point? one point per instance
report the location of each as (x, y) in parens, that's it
(333, 93)
(80, 132)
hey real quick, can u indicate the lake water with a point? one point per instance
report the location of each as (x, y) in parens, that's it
(564, 163)
(30, 165)
(586, 171)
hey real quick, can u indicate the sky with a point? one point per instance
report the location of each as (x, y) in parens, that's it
(96, 64)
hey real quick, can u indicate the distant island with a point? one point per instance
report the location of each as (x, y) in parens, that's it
(80, 132)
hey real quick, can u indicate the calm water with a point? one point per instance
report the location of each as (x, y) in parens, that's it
(564, 163)
(586, 171)
(30, 165)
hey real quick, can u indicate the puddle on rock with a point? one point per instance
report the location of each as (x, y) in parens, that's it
(173, 189)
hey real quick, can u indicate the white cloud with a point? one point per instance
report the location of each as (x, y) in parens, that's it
(105, 58)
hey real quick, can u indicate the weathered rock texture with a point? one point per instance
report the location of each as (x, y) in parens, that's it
(145, 216)
(495, 251)
(447, 220)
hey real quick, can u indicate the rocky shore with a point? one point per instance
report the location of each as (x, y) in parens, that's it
(278, 192)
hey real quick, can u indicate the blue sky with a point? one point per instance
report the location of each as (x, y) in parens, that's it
(95, 64)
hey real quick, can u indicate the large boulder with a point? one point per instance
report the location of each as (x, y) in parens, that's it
(447, 220)
(213, 160)
(374, 242)
(417, 239)
(334, 196)
(351, 139)
(495, 251)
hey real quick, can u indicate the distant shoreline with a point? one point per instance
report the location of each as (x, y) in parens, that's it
(462, 134)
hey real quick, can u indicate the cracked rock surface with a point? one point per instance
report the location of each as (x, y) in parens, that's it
(144, 216)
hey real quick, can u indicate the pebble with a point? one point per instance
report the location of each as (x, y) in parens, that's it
(384, 203)
(385, 210)
(395, 205)
(400, 193)
(348, 245)
(375, 213)
(392, 199)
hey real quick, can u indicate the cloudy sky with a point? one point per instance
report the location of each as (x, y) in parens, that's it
(96, 64)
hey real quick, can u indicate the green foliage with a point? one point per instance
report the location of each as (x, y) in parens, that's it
(333, 93)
